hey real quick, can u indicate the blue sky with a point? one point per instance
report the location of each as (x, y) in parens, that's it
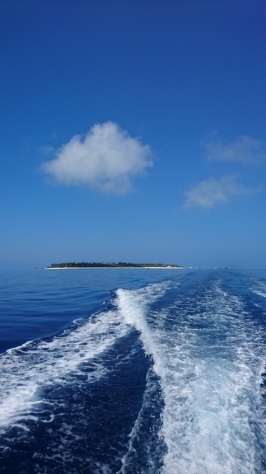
(133, 131)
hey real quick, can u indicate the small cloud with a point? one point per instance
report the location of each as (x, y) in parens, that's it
(106, 158)
(211, 192)
(244, 149)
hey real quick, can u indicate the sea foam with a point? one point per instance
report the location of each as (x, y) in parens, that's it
(210, 373)
(25, 370)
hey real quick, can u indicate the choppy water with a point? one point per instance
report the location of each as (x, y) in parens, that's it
(133, 371)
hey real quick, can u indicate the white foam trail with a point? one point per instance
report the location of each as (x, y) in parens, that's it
(210, 364)
(259, 288)
(26, 369)
(144, 433)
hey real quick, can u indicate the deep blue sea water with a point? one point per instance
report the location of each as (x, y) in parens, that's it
(133, 371)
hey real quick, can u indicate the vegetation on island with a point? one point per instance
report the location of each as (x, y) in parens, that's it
(110, 265)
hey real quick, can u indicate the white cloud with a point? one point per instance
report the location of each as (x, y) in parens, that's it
(107, 158)
(244, 149)
(211, 192)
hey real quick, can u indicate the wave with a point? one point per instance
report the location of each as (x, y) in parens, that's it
(194, 405)
(27, 369)
(210, 373)
(259, 287)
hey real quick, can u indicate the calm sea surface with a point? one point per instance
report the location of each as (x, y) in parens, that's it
(133, 371)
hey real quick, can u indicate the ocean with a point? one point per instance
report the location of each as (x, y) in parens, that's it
(133, 371)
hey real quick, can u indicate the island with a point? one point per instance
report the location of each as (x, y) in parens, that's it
(110, 265)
